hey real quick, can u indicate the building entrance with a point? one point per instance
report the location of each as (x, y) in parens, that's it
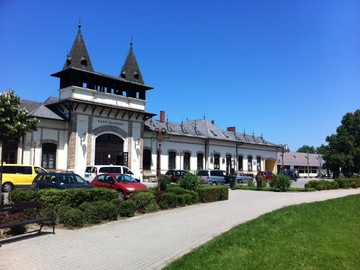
(109, 150)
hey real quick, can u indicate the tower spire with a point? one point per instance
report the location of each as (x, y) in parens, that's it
(130, 70)
(78, 56)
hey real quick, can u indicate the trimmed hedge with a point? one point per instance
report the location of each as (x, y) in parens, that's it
(213, 193)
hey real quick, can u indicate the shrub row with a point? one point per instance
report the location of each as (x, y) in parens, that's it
(76, 208)
(337, 183)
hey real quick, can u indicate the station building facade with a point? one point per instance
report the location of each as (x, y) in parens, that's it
(100, 119)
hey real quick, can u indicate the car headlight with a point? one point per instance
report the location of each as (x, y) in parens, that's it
(130, 189)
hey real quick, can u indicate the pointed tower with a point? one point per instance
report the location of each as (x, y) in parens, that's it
(131, 71)
(78, 56)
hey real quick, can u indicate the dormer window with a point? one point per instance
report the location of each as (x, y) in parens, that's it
(212, 132)
(123, 74)
(68, 61)
(83, 61)
(226, 136)
(136, 75)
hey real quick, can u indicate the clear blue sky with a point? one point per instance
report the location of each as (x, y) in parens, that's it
(289, 70)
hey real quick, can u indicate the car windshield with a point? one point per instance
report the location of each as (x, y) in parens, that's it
(124, 178)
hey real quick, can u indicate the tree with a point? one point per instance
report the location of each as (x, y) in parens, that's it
(307, 149)
(342, 154)
(14, 123)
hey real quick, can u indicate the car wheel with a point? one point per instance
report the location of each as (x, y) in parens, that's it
(214, 183)
(7, 187)
(121, 195)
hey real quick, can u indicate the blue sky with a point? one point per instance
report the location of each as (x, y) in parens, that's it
(289, 70)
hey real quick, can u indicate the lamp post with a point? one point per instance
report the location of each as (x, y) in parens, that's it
(34, 147)
(284, 148)
(160, 136)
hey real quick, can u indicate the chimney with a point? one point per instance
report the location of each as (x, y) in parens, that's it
(231, 129)
(213, 122)
(162, 116)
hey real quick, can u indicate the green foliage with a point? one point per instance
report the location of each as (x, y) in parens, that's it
(91, 212)
(165, 182)
(281, 182)
(343, 149)
(262, 182)
(213, 193)
(57, 197)
(108, 210)
(251, 183)
(168, 200)
(320, 235)
(194, 196)
(306, 149)
(189, 181)
(145, 202)
(14, 123)
(18, 195)
(127, 208)
(71, 217)
(323, 184)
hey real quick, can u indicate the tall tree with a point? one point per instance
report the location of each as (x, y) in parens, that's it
(14, 123)
(342, 154)
(307, 149)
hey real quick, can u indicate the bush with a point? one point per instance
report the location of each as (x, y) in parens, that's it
(281, 182)
(127, 208)
(107, 210)
(144, 201)
(23, 196)
(165, 182)
(180, 199)
(213, 193)
(91, 212)
(189, 182)
(181, 191)
(168, 200)
(71, 217)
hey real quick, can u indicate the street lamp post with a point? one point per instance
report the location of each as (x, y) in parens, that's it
(160, 136)
(284, 148)
(34, 147)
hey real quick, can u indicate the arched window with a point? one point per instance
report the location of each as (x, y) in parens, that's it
(186, 161)
(249, 163)
(258, 163)
(172, 160)
(240, 163)
(109, 150)
(48, 156)
(147, 159)
(200, 161)
(216, 161)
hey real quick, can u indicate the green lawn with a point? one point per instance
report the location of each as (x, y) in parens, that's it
(321, 235)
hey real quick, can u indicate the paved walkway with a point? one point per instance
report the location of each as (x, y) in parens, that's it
(149, 241)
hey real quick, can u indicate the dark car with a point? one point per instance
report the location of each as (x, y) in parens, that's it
(124, 184)
(60, 180)
(265, 174)
(175, 175)
(291, 174)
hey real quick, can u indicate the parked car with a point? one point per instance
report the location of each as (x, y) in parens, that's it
(241, 177)
(60, 180)
(92, 170)
(175, 175)
(265, 174)
(291, 174)
(213, 177)
(124, 184)
(19, 176)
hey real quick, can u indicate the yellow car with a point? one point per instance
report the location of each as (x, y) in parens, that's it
(19, 176)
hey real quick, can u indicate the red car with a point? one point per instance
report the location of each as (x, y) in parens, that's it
(124, 184)
(266, 175)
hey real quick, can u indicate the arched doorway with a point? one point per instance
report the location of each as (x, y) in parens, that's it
(109, 150)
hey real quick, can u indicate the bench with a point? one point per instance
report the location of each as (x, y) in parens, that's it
(20, 214)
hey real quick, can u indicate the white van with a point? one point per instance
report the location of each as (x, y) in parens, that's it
(92, 170)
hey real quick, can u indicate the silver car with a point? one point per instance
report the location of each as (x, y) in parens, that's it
(241, 177)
